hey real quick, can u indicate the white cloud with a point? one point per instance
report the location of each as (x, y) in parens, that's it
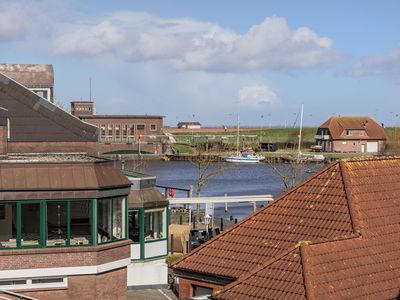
(188, 44)
(256, 95)
(385, 64)
(13, 21)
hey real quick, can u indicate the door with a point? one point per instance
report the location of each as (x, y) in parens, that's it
(372, 147)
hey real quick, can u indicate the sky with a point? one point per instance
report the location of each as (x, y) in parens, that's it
(210, 61)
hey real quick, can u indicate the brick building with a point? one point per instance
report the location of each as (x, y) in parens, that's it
(141, 133)
(351, 134)
(63, 227)
(334, 236)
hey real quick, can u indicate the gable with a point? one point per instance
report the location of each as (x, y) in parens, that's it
(34, 119)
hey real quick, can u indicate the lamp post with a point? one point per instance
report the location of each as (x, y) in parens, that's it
(207, 220)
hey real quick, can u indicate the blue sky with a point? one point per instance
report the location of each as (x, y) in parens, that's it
(210, 60)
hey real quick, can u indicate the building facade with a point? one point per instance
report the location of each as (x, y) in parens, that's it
(64, 227)
(351, 134)
(35, 125)
(124, 133)
(148, 229)
(37, 78)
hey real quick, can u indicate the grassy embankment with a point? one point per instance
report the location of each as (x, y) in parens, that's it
(281, 136)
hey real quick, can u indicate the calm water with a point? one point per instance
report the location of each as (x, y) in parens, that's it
(236, 180)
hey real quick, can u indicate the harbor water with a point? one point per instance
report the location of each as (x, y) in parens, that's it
(234, 180)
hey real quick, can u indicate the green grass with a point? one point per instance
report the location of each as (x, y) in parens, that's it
(127, 152)
(172, 258)
(183, 149)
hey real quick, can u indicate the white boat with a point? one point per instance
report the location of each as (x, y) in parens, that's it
(243, 157)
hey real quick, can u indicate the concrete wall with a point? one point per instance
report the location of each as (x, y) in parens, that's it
(153, 273)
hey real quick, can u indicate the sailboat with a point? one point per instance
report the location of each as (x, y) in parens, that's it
(243, 157)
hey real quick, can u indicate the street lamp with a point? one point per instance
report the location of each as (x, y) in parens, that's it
(207, 219)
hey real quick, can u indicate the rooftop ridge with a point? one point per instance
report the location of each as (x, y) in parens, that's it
(326, 169)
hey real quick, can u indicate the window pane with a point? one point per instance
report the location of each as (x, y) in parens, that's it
(104, 220)
(154, 225)
(57, 215)
(30, 224)
(119, 218)
(80, 223)
(8, 225)
(134, 233)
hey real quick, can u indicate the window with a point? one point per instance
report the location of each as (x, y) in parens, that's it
(110, 130)
(104, 220)
(153, 127)
(12, 282)
(349, 132)
(124, 131)
(140, 127)
(30, 224)
(57, 221)
(154, 227)
(134, 233)
(344, 143)
(47, 280)
(111, 220)
(201, 290)
(362, 133)
(8, 226)
(80, 223)
(103, 131)
(132, 130)
(118, 132)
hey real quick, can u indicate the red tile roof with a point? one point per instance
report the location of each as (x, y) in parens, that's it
(315, 210)
(365, 265)
(337, 126)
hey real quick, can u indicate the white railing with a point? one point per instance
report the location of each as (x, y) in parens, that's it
(322, 137)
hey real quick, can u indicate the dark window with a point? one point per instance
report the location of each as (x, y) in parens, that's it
(153, 127)
(349, 132)
(57, 220)
(140, 126)
(134, 232)
(201, 290)
(30, 224)
(80, 223)
(110, 130)
(132, 130)
(47, 280)
(8, 226)
(12, 282)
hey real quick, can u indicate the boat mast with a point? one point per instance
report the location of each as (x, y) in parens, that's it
(237, 138)
(301, 127)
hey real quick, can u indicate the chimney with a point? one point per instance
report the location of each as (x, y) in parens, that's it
(4, 133)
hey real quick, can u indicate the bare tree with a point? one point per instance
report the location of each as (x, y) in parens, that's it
(290, 173)
(207, 167)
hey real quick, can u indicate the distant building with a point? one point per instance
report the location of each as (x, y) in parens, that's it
(35, 125)
(189, 125)
(351, 134)
(335, 236)
(37, 78)
(122, 132)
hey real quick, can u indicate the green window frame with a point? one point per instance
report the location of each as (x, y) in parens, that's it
(101, 237)
(43, 223)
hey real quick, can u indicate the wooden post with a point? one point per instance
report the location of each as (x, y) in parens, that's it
(190, 191)
(254, 206)
(222, 224)
(187, 247)
(180, 219)
(172, 244)
(226, 204)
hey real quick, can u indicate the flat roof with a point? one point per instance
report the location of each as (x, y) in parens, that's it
(49, 158)
(122, 117)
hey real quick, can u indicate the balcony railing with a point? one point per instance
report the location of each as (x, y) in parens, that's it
(322, 137)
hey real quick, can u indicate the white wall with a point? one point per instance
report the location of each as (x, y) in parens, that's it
(135, 251)
(155, 249)
(148, 273)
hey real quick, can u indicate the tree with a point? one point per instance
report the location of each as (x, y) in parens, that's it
(291, 173)
(207, 167)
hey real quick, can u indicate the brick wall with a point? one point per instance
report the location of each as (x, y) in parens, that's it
(108, 285)
(63, 257)
(186, 287)
(43, 147)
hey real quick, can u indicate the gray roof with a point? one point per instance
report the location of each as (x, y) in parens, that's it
(34, 119)
(122, 117)
(30, 75)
